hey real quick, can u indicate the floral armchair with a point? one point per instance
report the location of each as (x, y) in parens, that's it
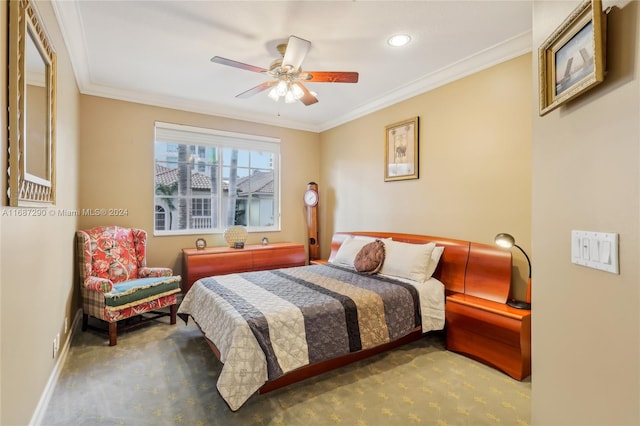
(115, 281)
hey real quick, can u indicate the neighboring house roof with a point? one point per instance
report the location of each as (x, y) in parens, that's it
(258, 183)
(168, 176)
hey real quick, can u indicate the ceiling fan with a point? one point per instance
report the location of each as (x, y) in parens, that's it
(287, 76)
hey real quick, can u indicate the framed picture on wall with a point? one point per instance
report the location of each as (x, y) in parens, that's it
(572, 58)
(401, 150)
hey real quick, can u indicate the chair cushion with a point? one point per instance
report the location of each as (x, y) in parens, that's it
(133, 292)
(114, 253)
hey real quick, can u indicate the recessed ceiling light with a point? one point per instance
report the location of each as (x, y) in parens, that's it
(399, 40)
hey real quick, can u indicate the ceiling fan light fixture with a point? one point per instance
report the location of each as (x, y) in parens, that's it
(287, 78)
(399, 40)
(289, 97)
(273, 94)
(282, 88)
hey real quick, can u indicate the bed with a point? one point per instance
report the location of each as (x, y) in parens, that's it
(273, 328)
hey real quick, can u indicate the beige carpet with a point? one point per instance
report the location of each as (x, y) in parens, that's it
(166, 375)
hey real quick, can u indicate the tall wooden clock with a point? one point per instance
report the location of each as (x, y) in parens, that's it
(311, 202)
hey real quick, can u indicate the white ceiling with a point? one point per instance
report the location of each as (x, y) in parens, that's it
(158, 52)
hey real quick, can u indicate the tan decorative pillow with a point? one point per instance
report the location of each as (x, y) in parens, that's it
(370, 258)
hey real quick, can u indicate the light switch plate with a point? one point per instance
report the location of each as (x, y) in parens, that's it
(598, 250)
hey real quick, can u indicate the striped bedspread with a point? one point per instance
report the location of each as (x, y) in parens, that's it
(268, 323)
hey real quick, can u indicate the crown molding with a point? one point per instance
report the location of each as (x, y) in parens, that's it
(73, 36)
(487, 58)
(182, 104)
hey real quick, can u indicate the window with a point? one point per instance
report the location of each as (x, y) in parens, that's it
(207, 180)
(161, 219)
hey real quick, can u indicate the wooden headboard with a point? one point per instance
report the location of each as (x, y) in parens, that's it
(474, 269)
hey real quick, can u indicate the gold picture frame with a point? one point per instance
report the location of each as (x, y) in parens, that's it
(401, 150)
(572, 58)
(32, 109)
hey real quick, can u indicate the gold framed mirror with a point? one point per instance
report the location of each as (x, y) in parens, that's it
(32, 101)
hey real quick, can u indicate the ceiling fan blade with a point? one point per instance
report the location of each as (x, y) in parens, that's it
(297, 49)
(236, 64)
(257, 89)
(330, 77)
(308, 98)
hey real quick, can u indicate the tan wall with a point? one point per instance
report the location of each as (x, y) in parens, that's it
(37, 254)
(475, 165)
(117, 170)
(586, 323)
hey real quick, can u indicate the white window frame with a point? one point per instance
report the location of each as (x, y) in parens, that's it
(190, 135)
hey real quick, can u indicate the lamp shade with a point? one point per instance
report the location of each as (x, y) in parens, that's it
(505, 240)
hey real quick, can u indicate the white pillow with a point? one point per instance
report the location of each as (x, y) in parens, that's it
(405, 260)
(349, 249)
(436, 254)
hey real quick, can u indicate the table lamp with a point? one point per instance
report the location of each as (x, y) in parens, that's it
(507, 241)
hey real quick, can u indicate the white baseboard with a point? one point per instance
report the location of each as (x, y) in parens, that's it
(36, 419)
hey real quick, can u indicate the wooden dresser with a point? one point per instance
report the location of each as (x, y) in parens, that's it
(198, 264)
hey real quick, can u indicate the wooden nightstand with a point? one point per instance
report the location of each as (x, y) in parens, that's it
(491, 332)
(198, 264)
